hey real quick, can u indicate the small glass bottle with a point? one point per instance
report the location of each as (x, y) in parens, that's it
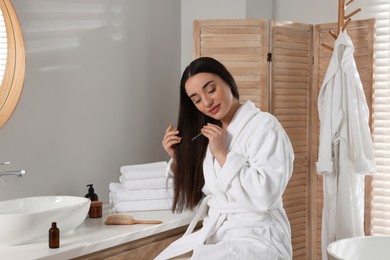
(54, 236)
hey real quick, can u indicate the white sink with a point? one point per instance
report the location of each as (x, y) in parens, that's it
(25, 220)
(360, 248)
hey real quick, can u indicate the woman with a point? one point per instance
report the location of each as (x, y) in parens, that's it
(237, 169)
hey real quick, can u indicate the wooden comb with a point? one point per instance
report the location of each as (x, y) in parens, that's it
(127, 220)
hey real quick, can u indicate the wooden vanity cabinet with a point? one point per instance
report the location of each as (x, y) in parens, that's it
(142, 249)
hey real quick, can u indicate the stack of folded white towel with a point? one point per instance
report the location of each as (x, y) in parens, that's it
(142, 187)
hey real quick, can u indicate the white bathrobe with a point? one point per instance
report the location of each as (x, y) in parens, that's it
(345, 152)
(242, 209)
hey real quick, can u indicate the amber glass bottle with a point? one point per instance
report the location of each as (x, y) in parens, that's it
(96, 209)
(54, 236)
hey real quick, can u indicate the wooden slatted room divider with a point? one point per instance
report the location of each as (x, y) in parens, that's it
(242, 46)
(290, 99)
(280, 66)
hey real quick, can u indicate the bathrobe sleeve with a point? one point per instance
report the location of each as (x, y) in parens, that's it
(262, 172)
(330, 115)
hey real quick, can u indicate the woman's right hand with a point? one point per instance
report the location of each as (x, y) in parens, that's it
(170, 139)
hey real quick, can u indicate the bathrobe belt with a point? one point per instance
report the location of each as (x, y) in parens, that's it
(192, 239)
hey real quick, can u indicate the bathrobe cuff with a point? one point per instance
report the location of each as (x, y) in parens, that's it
(365, 167)
(324, 167)
(233, 164)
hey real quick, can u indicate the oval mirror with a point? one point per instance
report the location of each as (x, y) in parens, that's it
(3, 47)
(15, 62)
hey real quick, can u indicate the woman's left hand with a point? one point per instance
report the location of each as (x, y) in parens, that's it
(216, 136)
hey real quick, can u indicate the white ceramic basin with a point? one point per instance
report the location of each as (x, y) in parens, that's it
(360, 248)
(28, 219)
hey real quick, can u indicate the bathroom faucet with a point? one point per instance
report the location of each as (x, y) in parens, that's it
(19, 173)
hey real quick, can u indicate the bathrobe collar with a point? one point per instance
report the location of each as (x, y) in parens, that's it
(243, 115)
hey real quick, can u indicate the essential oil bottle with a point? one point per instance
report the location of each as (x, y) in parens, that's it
(54, 236)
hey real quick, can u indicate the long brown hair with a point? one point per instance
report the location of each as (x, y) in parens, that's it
(189, 155)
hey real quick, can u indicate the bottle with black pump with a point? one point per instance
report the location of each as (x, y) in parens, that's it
(54, 236)
(96, 207)
(91, 193)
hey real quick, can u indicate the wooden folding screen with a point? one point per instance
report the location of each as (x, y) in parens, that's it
(280, 66)
(290, 102)
(242, 46)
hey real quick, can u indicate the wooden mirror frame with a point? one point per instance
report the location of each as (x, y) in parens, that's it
(12, 84)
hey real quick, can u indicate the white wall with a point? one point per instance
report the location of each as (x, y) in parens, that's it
(316, 11)
(260, 9)
(100, 88)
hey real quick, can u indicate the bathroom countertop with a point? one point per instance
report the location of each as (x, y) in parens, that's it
(93, 235)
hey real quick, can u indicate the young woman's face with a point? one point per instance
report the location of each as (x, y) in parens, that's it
(211, 95)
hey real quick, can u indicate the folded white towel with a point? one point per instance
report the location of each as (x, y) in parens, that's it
(148, 184)
(141, 176)
(143, 171)
(118, 192)
(141, 205)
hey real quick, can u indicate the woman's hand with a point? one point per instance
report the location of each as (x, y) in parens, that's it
(216, 136)
(170, 139)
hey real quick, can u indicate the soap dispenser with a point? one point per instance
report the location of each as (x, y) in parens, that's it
(96, 207)
(91, 193)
